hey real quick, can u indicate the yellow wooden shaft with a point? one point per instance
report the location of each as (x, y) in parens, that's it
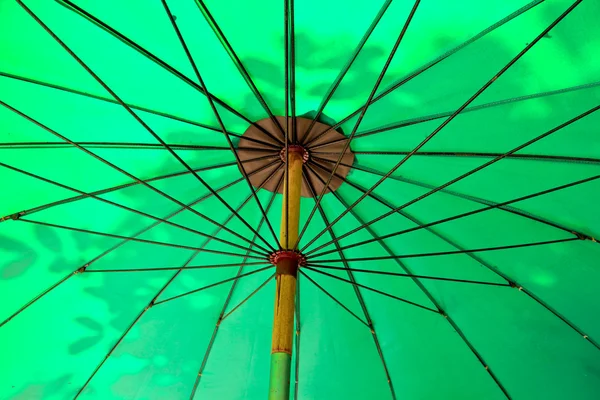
(291, 207)
(283, 321)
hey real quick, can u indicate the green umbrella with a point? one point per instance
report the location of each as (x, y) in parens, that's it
(206, 199)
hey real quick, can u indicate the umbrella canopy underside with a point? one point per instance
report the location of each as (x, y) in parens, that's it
(455, 258)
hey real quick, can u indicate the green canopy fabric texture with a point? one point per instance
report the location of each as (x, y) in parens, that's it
(456, 261)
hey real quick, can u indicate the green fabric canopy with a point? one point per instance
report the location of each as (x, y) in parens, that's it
(457, 260)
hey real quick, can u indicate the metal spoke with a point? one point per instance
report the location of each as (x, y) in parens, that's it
(126, 185)
(580, 236)
(39, 296)
(450, 118)
(229, 218)
(359, 120)
(527, 157)
(121, 206)
(479, 200)
(240, 66)
(172, 70)
(374, 290)
(262, 285)
(222, 126)
(113, 101)
(428, 293)
(509, 209)
(427, 118)
(344, 71)
(133, 146)
(226, 304)
(176, 213)
(442, 253)
(380, 200)
(122, 171)
(135, 321)
(333, 298)
(190, 267)
(430, 65)
(286, 45)
(133, 239)
(214, 284)
(292, 59)
(436, 278)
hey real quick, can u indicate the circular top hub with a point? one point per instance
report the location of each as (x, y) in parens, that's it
(295, 148)
(262, 147)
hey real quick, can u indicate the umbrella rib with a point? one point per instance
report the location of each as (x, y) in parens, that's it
(429, 296)
(213, 284)
(151, 226)
(108, 190)
(126, 185)
(372, 289)
(171, 215)
(580, 236)
(452, 252)
(486, 202)
(134, 239)
(192, 267)
(222, 126)
(39, 296)
(135, 146)
(286, 41)
(427, 118)
(437, 278)
(528, 157)
(135, 321)
(262, 285)
(121, 206)
(122, 171)
(344, 71)
(225, 305)
(459, 178)
(431, 64)
(454, 114)
(239, 65)
(146, 53)
(137, 117)
(292, 62)
(479, 200)
(334, 299)
(358, 121)
(130, 105)
(381, 200)
(357, 292)
(111, 145)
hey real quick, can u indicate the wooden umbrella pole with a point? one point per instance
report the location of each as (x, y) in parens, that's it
(287, 268)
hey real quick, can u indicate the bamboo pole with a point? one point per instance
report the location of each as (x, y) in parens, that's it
(287, 268)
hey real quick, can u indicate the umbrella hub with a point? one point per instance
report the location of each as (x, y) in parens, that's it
(287, 261)
(319, 144)
(295, 148)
